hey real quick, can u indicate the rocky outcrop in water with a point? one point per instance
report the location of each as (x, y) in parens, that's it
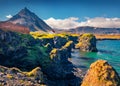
(62, 69)
(87, 42)
(101, 74)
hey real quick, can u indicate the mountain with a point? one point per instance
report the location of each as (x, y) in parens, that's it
(28, 19)
(94, 30)
(7, 26)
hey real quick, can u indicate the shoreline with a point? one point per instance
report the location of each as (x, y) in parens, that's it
(106, 39)
(107, 36)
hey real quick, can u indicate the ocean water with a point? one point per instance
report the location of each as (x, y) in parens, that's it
(107, 50)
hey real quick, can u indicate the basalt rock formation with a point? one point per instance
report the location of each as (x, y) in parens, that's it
(87, 42)
(25, 52)
(101, 74)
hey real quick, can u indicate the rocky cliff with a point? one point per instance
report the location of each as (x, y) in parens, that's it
(87, 42)
(47, 56)
(25, 52)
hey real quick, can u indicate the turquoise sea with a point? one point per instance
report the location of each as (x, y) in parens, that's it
(107, 50)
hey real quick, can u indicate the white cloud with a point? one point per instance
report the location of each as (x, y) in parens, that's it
(63, 23)
(102, 22)
(72, 22)
(9, 16)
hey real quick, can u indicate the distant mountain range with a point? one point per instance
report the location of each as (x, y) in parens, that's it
(94, 30)
(25, 20)
(97, 30)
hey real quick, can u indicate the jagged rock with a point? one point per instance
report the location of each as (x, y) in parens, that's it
(62, 69)
(101, 74)
(49, 47)
(21, 50)
(47, 40)
(16, 77)
(68, 46)
(73, 38)
(63, 53)
(27, 53)
(87, 42)
(36, 73)
(59, 41)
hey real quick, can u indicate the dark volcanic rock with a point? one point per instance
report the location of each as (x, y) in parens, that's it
(25, 52)
(15, 77)
(49, 47)
(87, 42)
(20, 50)
(47, 40)
(61, 68)
(59, 41)
(73, 38)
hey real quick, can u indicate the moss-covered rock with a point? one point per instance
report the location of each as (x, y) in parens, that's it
(22, 51)
(36, 73)
(68, 47)
(49, 47)
(101, 74)
(16, 77)
(69, 44)
(63, 53)
(53, 53)
(87, 42)
(48, 51)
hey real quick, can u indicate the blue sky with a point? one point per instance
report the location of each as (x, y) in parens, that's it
(62, 9)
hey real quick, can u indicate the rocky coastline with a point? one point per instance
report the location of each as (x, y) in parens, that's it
(42, 59)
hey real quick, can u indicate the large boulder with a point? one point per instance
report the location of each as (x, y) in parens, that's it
(101, 74)
(87, 42)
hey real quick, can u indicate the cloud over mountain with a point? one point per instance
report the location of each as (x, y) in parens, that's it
(102, 22)
(9, 16)
(63, 23)
(72, 22)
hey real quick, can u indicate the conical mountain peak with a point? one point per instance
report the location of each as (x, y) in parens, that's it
(25, 11)
(29, 19)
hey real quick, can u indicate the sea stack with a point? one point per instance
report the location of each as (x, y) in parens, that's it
(87, 42)
(101, 74)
